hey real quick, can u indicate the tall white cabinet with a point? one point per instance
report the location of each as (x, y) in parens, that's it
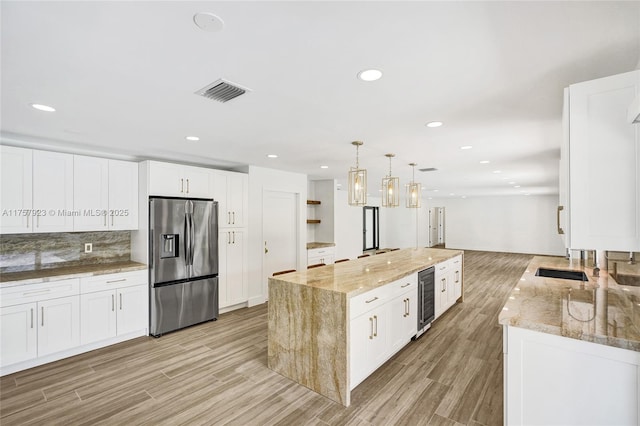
(52, 191)
(16, 190)
(600, 166)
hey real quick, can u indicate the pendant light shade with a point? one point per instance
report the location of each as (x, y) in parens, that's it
(390, 188)
(414, 190)
(357, 181)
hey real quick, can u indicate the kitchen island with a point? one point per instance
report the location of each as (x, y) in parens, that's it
(571, 348)
(314, 316)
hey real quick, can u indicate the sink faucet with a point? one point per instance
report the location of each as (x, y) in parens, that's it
(596, 269)
(632, 258)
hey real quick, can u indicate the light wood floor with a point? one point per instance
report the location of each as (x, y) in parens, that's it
(216, 373)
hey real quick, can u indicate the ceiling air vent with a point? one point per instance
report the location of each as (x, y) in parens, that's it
(222, 90)
(428, 169)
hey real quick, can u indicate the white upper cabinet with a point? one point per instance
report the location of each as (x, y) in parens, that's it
(176, 180)
(604, 165)
(15, 190)
(123, 195)
(90, 193)
(230, 191)
(105, 194)
(52, 192)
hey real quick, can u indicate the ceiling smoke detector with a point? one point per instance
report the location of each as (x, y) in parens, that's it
(207, 21)
(222, 90)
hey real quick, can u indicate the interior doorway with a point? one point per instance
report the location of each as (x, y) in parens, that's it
(280, 234)
(370, 228)
(436, 227)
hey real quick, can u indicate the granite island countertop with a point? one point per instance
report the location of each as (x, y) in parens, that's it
(599, 310)
(358, 276)
(33, 276)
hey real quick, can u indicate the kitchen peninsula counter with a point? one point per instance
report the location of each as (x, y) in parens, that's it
(308, 335)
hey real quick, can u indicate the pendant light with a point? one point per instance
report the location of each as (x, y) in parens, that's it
(390, 188)
(357, 181)
(413, 190)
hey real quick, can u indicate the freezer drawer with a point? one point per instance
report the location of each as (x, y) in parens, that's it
(180, 305)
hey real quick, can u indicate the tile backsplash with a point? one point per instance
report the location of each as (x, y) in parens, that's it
(26, 252)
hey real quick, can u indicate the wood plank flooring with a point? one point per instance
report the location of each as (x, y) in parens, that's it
(216, 373)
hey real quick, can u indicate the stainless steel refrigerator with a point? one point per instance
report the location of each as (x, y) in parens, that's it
(183, 270)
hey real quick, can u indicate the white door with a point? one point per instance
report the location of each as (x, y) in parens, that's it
(15, 190)
(131, 309)
(280, 233)
(58, 324)
(123, 195)
(18, 333)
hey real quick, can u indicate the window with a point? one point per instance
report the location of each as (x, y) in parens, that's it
(370, 228)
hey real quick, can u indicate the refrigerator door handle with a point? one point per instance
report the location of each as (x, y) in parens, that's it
(192, 238)
(187, 244)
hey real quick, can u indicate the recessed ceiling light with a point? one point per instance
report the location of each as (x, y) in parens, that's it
(497, 171)
(517, 186)
(434, 124)
(512, 183)
(451, 193)
(192, 138)
(370, 75)
(466, 147)
(272, 156)
(436, 190)
(41, 107)
(484, 162)
(207, 21)
(324, 167)
(464, 196)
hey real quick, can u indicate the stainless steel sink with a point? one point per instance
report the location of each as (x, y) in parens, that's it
(633, 280)
(562, 274)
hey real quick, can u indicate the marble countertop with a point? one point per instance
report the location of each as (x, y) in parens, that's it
(599, 310)
(55, 274)
(311, 246)
(361, 275)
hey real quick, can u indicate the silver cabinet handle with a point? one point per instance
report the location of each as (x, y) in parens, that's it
(28, 220)
(228, 218)
(187, 186)
(112, 220)
(113, 303)
(560, 230)
(105, 220)
(31, 317)
(233, 214)
(234, 236)
(371, 332)
(120, 301)
(37, 221)
(408, 306)
(375, 330)
(116, 281)
(42, 316)
(228, 238)
(457, 276)
(181, 185)
(444, 285)
(369, 301)
(406, 285)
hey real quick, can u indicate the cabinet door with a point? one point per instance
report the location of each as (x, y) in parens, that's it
(441, 295)
(97, 316)
(218, 183)
(399, 313)
(236, 198)
(166, 179)
(196, 182)
(15, 190)
(58, 324)
(224, 240)
(53, 191)
(123, 195)
(132, 309)
(604, 164)
(18, 336)
(360, 337)
(236, 266)
(90, 193)
(456, 278)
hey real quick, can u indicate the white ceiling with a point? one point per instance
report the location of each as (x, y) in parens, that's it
(122, 76)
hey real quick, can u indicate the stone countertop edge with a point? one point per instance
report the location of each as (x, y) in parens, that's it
(315, 245)
(56, 274)
(542, 304)
(359, 276)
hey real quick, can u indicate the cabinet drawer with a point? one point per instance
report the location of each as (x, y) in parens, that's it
(369, 300)
(112, 281)
(328, 251)
(36, 292)
(403, 285)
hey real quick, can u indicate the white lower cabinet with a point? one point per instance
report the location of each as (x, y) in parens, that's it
(448, 284)
(382, 321)
(324, 255)
(48, 321)
(38, 320)
(551, 379)
(113, 305)
(232, 267)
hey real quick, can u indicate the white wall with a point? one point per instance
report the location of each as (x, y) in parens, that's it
(348, 227)
(518, 224)
(400, 226)
(261, 180)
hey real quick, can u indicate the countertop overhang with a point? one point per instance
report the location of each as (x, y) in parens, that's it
(361, 275)
(55, 274)
(598, 310)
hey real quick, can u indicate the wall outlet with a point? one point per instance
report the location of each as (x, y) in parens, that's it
(88, 247)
